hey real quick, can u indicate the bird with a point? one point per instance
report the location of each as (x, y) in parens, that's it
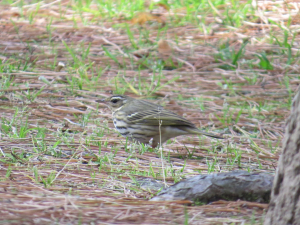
(148, 123)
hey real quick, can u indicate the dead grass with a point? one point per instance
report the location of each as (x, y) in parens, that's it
(71, 167)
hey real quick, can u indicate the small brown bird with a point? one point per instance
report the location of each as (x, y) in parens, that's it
(147, 122)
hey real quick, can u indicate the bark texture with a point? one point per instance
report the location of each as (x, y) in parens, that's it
(284, 206)
(228, 186)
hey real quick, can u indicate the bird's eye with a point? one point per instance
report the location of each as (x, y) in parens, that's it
(114, 100)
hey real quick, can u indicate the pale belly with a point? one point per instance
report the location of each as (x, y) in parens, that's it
(146, 134)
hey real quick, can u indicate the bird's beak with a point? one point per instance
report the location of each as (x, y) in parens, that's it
(101, 100)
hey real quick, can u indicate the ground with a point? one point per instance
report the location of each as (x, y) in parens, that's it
(230, 67)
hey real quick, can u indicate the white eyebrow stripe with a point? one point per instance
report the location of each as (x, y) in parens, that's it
(117, 97)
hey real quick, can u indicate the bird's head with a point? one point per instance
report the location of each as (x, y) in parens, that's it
(116, 102)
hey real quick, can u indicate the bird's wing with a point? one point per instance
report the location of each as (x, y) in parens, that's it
(156, 117)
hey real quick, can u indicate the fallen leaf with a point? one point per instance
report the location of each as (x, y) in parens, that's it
(164, 47)
(143, 17)
(163, 6)
(59, 66)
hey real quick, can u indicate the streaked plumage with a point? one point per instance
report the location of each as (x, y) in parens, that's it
(144, 121)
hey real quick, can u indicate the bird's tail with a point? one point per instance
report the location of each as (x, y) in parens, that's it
(211, 135)
(197, 131)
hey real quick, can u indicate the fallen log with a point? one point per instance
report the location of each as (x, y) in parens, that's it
(227, 186)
